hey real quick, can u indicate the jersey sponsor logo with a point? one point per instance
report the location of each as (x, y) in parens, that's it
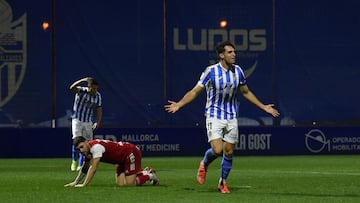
(13, 52)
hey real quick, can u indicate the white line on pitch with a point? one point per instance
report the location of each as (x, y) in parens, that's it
(302, 172)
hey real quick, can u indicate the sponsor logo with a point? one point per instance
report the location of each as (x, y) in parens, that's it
(254, 142)
(145, 142)
(248, 43)
(316, 141)
(243, 39)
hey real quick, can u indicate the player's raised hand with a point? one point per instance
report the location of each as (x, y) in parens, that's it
(172, 107)
(88, 79)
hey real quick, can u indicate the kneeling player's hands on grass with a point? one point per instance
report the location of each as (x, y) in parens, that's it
(80, 185)
(72, 184)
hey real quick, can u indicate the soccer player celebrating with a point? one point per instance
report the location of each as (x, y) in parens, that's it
(221, 81)
(126, 157)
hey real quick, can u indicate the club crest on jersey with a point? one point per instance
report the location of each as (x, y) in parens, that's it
(227, 87)
(13, 52)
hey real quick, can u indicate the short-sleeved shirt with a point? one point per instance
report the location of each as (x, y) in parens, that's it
(126, 156)
(221, 90)
(110, 151)
(85, 104)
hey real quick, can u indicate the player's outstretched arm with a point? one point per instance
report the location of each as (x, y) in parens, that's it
(173, 106)
(245, 91)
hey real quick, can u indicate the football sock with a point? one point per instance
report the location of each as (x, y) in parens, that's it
(75, 154)
(81, 159)
(209, 157)
(226, 165)
(141, 179)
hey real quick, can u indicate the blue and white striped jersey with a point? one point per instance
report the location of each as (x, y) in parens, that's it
(85, 104)
(221, 90)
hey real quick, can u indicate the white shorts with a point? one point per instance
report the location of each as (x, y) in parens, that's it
(80, 128)
(227, 130)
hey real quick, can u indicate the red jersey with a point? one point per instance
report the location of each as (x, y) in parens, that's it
(110, 151)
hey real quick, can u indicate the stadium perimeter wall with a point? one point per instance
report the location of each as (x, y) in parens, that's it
(48, 142)
(144, 52)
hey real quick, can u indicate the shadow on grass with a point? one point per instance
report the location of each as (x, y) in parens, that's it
(215, 189)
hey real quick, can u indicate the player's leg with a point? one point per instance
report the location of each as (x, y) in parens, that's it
(74, 158)
(76, 132)
(130, 180)
(215, 129)
(214, 132)
(120, 179)
(148, 174)
(151, 174)
(213, 152)
(87, 132)
(120, 175)
(230, 139)
(226, 165)
(133, 171)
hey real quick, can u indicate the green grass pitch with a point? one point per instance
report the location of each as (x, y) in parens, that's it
(334, 178)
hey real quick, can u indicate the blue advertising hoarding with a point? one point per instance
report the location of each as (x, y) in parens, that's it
(301, 55)
(47, 142)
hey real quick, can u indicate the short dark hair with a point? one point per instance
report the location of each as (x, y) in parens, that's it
(220, 48)
(78, 140)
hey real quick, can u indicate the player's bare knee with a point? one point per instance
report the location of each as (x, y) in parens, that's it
(218, 151)
(229, 153)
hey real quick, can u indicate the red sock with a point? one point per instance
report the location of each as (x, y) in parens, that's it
(141, 179)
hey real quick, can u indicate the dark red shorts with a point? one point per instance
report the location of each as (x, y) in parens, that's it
(132, 164)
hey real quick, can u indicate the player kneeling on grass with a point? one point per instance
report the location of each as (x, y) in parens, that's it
(126, 157)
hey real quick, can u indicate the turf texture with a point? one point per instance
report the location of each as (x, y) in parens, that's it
(325, 178)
